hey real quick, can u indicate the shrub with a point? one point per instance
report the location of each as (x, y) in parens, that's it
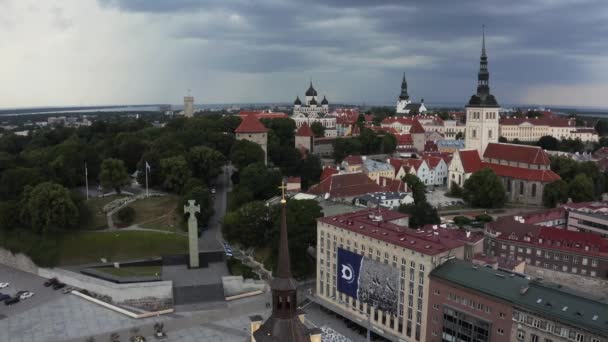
(462, 221)
(484, 218)
(126, 215)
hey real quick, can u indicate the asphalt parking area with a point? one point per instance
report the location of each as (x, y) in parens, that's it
(19, 281)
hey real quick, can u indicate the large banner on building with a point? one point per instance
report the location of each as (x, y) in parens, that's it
(369, 281)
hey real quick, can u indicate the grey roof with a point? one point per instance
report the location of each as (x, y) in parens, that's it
(554, 303)
(413, 106)
(450, 143)
(373, 165)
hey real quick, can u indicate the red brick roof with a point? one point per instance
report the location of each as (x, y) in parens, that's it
(538, 217)
(304, 131)
(517, 153)
(251, 124)
(470, 160)
(379, 129)
(430, 146)
(545, 176)
(420, 240)
(431, 161)
(345, 185)
(328, 171)
(406, 121)
(353, 160)
(416, 128)
(392, 185)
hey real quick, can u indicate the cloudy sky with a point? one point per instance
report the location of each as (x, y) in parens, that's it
(93, 52)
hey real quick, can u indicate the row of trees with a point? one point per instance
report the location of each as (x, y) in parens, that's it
(368, 142)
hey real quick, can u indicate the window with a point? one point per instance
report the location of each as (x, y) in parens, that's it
(500, 331)
(533, 190)
(490, 134)
(521, 188)
(501, 315)
(533, 338)
(574, 270)
(593, 262)
(474, 135)
(521, 335)
(584, 261)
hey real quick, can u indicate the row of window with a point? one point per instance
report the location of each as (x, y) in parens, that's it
(470, 303)
(549, 255)
(488, 116)
(547, 326)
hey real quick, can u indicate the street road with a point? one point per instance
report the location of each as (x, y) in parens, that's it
(211, 239)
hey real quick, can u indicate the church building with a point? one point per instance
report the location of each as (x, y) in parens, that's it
(404, 105)
(313, 110)
(252, 129)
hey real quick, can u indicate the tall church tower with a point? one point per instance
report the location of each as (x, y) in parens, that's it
(482, 109)
(404, 98)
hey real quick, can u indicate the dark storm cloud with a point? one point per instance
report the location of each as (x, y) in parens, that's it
(529, 42)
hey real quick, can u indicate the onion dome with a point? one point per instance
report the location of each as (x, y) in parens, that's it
(297, 101)
(324, 101)
(313, 101)
(311, 91)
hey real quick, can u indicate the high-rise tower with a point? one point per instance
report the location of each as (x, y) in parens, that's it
(482, 109)
(189, 106)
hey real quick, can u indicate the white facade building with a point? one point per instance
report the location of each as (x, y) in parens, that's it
(313, 111)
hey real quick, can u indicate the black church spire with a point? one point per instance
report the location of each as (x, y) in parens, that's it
(483, 98)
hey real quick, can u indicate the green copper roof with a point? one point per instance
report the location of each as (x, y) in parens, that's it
(533, 296)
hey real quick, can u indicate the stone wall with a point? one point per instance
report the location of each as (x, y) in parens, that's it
(593, 286)
(160, 290)
(236, 285)
(19, 261)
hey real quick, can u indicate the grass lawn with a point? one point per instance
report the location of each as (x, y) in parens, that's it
(96, 204)
(88, 247)
(157, 213)
(131, 271)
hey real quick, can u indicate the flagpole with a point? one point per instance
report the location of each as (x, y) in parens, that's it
(86, 178)
(146, 167)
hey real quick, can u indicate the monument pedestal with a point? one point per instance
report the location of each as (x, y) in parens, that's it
(192, 209)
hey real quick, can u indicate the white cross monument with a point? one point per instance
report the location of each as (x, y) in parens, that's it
(192, 209)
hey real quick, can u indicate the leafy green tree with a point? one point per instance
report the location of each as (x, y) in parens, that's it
(113, 174)
(249, 225)
(205, 163)
(484, 218)
(461, 221)
(130, 149)
(455, 190)
(389, 143)
(601, 127)
(370, 142)
(309, 170)
(418, 188)
(484, 189)
(283, 129)
(346, 146)
(554, 193)
(261, 181)
(421, 214)
(202, 196)
(565, 167)
(126, 215)
(318, 129)
(548, 142)
(502, 139)
(176, 172)
(8, 219)
(48, 207)
(580, 189)
(245, 152)
(13, 181)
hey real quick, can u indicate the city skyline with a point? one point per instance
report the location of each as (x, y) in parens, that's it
(136, 52)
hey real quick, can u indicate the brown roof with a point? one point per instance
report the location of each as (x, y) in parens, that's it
(251, 124)
(353, 160)
(345, 185)
(517, 153)
(304, 131)
(545, 176)
(328, 171)
(470, 160)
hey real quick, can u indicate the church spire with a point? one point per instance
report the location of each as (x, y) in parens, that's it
(404, 95)
(483, 97)
(483, 41)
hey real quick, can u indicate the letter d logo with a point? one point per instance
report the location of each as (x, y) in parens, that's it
(348, 273)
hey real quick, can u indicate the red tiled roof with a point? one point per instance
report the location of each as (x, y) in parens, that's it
(470, 160)
(328, 171)
(447, 157)
(345, 185)
(379, 129)
(548, 237)
(353, 160)
(431, 161)
(392, 185)
(416, 128)
(406, 121)
(544, 121)
(545, 176)
(545, 215)
(419, 240)
(517, 153)
(251, 124)
(404, 139)
(304, 131)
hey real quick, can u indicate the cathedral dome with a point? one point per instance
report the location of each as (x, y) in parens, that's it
(297, 101)
(324, 101)
(313, 101)
(311, 91)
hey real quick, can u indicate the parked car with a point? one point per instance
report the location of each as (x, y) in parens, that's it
(26, 295)
(4, 297)
(19, 293)
(50, 282)
(67, 290)
(11, 301)
(58, 286)
(3, 285)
